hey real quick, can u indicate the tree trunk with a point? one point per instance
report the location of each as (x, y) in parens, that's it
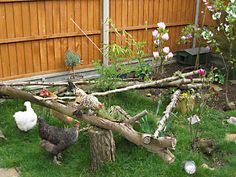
(102, 147)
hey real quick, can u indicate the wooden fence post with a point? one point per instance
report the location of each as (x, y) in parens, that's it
(105, 31)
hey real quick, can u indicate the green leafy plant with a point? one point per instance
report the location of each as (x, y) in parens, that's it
(120, 55)
(219, 77)
(71, 60)
(222, 38)
(110, 75)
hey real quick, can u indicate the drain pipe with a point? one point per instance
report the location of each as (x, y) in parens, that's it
(105, 31)
(196, 20)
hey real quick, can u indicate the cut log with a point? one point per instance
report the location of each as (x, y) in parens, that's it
(102, 147)
(165, 117)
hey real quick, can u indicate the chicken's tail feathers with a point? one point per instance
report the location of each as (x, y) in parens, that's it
(41, 119)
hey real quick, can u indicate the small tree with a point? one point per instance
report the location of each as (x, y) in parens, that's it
(162, 52)
(71, 60)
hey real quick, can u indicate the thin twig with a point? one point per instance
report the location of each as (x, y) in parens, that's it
(86, 36)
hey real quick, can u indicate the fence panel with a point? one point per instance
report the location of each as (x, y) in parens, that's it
(35, 34)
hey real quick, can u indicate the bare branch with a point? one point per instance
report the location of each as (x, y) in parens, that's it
(144, 85)
(132, 120)
(165, 117)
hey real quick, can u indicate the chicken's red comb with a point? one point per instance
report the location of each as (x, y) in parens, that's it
(100, 105)
(77, 123)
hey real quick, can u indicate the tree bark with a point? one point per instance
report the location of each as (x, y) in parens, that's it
(102, 147)
(165, 117)
(125, 130)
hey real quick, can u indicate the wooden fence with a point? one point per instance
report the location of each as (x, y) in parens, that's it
(35, 34)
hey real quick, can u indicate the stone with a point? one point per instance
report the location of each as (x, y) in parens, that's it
(9, 172)
(207, 167)
(2, 136)
(230, 137)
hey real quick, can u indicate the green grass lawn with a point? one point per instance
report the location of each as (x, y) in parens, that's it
(22, 149)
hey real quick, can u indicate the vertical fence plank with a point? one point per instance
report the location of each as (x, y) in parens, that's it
(97, 26)
(78, 21)
(19, 33)
(35, 32)
(42, 31)
(90, 28)
(64, 29)
(56, 30)
(71, 26)
(84, 26)
(4, 63)
(11, 34)
(1, 70)
(27, 31)
(49, 31)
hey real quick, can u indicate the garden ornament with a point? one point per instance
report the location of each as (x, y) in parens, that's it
(194, 119)
(189, 167)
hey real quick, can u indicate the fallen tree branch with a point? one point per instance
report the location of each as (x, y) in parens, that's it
(144, 85)
(165, 117)
(45, 83)
(125, 130)
(132, 120)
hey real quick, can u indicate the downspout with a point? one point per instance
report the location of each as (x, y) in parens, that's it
(196, 20)
(105, 31)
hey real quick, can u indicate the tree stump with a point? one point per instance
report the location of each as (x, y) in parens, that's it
(102, 147)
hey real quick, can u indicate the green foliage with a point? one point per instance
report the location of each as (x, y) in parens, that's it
(219, 77)
(143, 70)
(71, 59)
(120, 57)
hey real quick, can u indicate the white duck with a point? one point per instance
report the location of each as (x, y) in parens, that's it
(26, 120)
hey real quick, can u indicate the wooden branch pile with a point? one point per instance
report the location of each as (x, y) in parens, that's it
(152, 142)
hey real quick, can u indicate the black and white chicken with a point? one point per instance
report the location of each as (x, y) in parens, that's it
(55, 140)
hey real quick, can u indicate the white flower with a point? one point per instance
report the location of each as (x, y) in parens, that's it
(216, 15)
(226, 28)
(218, 28)
(170, 55)
(166, 50)
(207, 35)
(157, 42)
(183, 37)
(155, 33)
(155, 54)
(165, 37)
(161, 25)
(210, 8)
(205, 2)
(232, 1)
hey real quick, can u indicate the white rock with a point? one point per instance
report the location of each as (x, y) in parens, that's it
(232, 120)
